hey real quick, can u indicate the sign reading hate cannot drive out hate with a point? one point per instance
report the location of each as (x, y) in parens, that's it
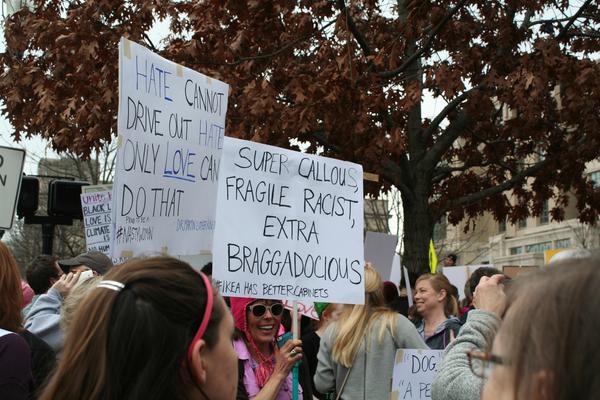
(289, 225)
(171, 127)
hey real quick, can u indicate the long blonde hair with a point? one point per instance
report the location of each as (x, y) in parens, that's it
(356, 321)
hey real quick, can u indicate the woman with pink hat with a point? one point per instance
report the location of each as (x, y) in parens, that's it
(264, 369)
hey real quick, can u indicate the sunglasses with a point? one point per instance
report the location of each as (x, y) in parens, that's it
(258, 310)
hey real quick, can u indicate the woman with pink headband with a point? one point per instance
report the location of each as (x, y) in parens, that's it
(264, 369)
(152, 329)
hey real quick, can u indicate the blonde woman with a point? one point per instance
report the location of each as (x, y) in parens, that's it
(438, 309)
(356, 357)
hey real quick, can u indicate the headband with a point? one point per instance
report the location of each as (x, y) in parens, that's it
(206, 317)
(112, 285)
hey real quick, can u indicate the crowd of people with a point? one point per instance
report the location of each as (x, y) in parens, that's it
(156, 328)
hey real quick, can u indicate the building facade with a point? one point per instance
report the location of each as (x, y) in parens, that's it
(522, 244)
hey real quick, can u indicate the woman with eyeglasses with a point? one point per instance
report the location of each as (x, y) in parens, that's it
(152, 329)
(547, 346)
(264, 369)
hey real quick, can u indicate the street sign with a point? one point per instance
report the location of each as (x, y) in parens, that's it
(11, 171)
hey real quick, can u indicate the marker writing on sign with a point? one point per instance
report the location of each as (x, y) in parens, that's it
(152, 80)
(320, 171)
(203, 98)
(275, 263)
(272, 194)
(166, 202)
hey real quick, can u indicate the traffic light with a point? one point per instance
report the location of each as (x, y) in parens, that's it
(28, 196)
(64, 198)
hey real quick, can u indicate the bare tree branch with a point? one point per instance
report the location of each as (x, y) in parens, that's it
(360, 38)
(280, 50)
(451, 133)
(506, 185)
(574, 17)
(435, 123)
(426, 45)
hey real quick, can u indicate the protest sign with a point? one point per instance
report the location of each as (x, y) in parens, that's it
(409, 292)
(11, 170)
(380, 249)
(306, 308)
(413, 374)
(290, 225)
(96, 204)
(171, 128)
(457, 276)
(396, 272)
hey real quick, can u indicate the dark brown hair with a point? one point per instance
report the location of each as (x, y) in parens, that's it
(40, 273)
(132, 344)
(11, 294)
(439, 282)
(551, 328)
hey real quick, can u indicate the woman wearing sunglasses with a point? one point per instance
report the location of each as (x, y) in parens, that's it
(264, 369)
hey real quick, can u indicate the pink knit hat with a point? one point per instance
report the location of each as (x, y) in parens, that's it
(238, 309)
(27, 293)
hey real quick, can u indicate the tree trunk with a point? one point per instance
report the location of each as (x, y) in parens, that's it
(418, 228)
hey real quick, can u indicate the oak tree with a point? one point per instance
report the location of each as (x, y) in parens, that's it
(518, 80)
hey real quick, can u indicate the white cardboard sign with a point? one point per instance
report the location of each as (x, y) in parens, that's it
(171, 127)
(11, 171)
(290, 225)
(380, 249)
(413, 374)
(458, 276)
(96, 207)
(306, 308)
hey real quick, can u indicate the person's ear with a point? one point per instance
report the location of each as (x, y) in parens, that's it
(198, 363)
(442, 295)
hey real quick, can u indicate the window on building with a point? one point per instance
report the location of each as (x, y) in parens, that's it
(538, 247)
(502, 226)
(562, 243)
(595, 177)
(522, 223)
(516, 250)
(545, 213)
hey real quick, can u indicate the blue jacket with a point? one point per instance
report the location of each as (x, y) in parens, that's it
(43, 319)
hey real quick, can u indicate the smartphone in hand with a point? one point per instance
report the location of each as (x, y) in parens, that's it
(282, 340)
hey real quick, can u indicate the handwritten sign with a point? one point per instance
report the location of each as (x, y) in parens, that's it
(306, 308)
(413, 374)
(171, 127)
(290, 225)
(380, 249)
(96, 207)
(11, 170)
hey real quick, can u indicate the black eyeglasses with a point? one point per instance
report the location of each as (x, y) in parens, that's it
(482, 363)
(258, 310)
